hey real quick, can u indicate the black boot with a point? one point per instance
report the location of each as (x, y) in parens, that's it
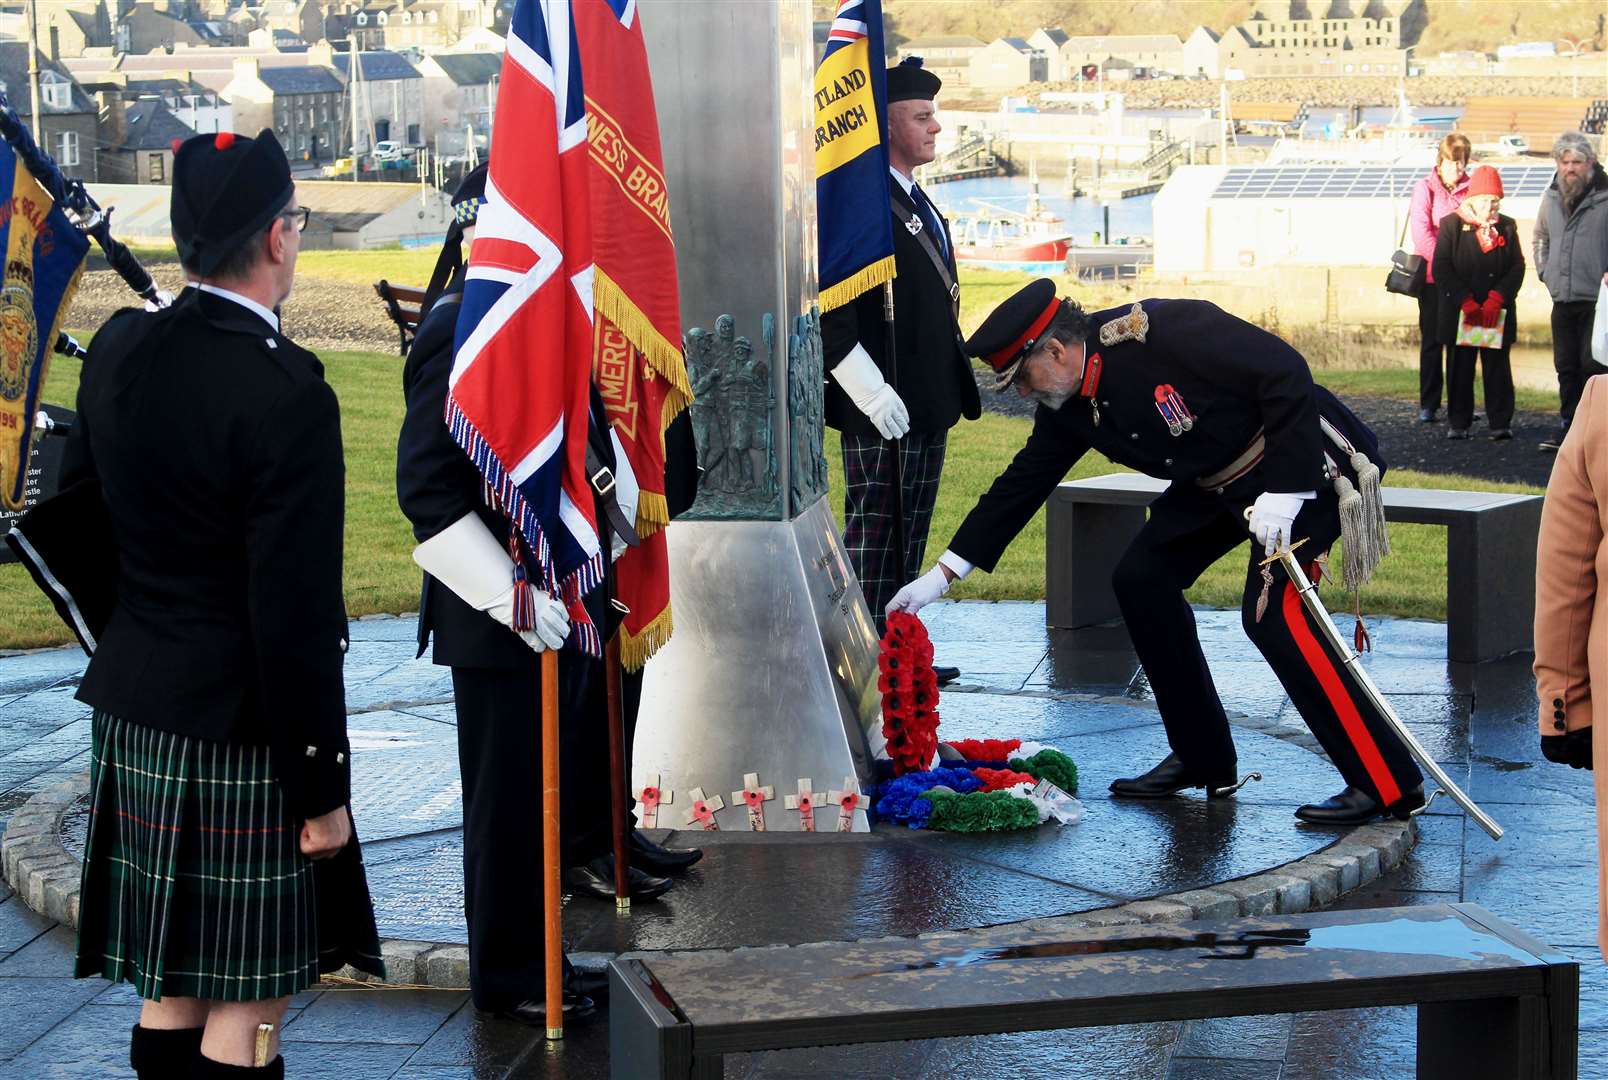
(596, 879)
(1353, 806)
(163, 1053)
(1171, 777)
(207, 1069)
(658, 859)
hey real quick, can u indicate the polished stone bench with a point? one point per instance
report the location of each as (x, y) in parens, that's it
(1493, 1003)
(1490, 556)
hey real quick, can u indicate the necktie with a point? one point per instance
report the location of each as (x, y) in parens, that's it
(929, 218)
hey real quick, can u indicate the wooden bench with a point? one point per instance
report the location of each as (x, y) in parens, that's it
(1493, 1003)
(402, 303)
(1490, 556)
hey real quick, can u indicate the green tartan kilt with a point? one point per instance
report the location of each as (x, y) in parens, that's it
(194, 884)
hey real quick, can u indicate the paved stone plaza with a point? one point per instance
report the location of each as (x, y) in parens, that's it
(1081, 692)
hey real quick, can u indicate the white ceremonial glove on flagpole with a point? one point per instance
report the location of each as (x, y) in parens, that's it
(857, 373)
(929, 586)
(1273, 518)
(466, 558)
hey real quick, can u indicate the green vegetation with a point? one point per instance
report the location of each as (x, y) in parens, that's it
(380, 576)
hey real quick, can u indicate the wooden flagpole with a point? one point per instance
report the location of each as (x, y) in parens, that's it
(552, 896)
(616, 722)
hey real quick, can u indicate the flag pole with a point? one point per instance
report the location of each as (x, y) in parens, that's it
(552, 897)
(616, 720)
(891, 375)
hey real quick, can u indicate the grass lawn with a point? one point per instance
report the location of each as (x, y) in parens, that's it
(380, 576)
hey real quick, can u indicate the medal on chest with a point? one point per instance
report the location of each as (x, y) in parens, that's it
(913, 225)
(1173, 410)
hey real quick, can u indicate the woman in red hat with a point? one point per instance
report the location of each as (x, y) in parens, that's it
(1478, 268)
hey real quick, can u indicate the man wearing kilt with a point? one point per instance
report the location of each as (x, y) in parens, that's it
(933, 387)
(221, 873)
(1228, 413)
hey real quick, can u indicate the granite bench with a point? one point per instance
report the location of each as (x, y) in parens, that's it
(1493, 1003)
(1490, 556)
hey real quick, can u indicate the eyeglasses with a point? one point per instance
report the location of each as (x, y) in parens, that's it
(300, 216)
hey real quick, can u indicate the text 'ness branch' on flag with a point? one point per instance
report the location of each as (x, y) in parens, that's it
(851, 156)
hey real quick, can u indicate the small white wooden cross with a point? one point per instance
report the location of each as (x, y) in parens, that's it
(849, 800)
(805, 803)
(755, 796)
(649, 797)
(703, 809)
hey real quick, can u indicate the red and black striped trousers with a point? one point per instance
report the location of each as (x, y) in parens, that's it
(1189, 530)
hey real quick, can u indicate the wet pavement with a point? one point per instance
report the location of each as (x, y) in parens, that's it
(1081, 692)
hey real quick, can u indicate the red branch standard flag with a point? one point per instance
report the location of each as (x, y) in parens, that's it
(517, 399)
(637, 360)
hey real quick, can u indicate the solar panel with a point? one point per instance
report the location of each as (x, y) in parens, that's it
(1356, 182)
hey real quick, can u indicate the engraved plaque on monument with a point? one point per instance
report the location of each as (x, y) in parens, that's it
(772, 668)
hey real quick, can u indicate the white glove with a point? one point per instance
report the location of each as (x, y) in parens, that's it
(1272, 518)
(858, 375)
(468, 560)
(920, 592)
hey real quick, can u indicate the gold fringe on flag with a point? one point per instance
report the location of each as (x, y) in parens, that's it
(837, 295)
(635, 649)
(662, 354)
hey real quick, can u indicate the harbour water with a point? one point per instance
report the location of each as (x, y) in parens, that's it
(1084, 217)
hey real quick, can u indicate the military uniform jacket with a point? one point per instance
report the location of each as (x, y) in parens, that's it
(935, 379)
(217, 446)
(437, 484)
(1236, 379)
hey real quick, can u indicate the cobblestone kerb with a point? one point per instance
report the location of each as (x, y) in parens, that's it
(46, 877)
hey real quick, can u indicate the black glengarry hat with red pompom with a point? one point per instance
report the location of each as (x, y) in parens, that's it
(226, 189)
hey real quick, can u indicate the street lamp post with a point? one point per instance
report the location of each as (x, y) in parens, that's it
(1573, 53)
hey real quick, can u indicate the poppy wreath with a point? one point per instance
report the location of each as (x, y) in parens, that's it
(909, 694)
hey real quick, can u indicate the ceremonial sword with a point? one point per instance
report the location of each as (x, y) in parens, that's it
(1320, 614)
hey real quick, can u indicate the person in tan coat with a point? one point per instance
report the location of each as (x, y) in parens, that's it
(1571, 631)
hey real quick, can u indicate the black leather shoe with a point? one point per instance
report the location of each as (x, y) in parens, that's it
(946, 675)
(578, 1010)
(1356, 807)
(658, 859)
(1426, 416)
(596, 879)
(1169, 778)
(589, 984)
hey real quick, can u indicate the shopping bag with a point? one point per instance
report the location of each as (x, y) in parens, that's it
(1481, 337)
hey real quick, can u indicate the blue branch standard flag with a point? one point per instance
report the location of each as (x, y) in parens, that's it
(851, 156)
(44, 256)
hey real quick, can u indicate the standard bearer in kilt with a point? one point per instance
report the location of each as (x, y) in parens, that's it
(464, 618)
(1183, 391)
(221, 873)
(932, 385)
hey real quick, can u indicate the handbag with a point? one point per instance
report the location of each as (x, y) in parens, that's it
(1406, 269)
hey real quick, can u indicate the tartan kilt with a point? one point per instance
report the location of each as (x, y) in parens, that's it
(194, 884)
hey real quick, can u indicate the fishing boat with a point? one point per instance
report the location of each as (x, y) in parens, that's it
(992, 234)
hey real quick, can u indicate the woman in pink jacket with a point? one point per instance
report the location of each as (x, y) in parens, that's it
(1434, 196)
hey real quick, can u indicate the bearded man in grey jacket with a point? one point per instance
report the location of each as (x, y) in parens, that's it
(1571, 257)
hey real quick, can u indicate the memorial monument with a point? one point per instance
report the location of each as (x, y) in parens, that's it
(771, 672)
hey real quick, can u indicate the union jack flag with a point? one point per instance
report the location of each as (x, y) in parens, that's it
(517, 397)
(848, 25)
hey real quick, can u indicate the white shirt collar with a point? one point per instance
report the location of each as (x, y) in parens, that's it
(246, 302)
(905, 182)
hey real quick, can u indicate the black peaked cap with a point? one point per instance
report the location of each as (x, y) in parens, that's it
(1014, 329)
(226, 189)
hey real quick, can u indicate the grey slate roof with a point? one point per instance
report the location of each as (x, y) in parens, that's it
(300, 80)
(470, 69)
(378, 64)
(14, 77)
(152, 126)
